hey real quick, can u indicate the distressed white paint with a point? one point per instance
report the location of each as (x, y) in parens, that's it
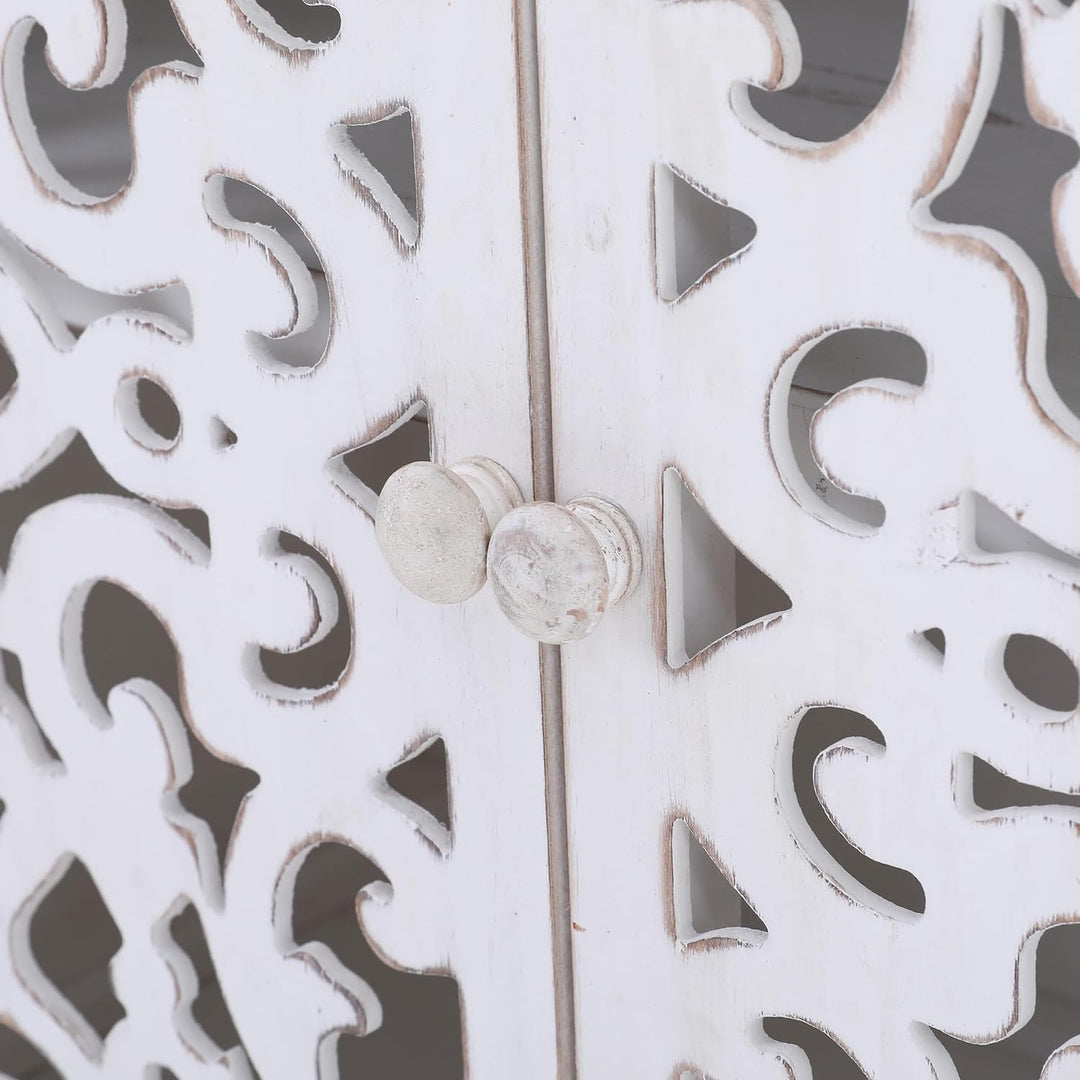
(428, 304)
(844, 238)
(433, 317)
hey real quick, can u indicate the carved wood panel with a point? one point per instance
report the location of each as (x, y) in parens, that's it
(264, 813)
(823, 767)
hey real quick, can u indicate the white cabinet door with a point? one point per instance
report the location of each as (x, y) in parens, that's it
(210, 676)
(821, 802)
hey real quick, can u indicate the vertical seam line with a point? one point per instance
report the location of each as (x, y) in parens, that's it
(530, 151)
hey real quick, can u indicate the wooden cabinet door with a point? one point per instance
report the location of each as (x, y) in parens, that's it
(262, 809)
(821, 805)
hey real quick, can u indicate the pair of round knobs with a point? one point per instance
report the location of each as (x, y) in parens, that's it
(554, 569)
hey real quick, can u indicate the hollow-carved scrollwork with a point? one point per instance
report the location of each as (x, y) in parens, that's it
(212, 287)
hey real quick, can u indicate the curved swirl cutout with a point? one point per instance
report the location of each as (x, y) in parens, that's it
(815, 374)
(317, 916)
(850, 53)
(316, 664)
(294, 27)
(65, 307)
(70, 468)
(809, 738)
(1046, 1045)
(201, 1014)
(241, 210)
(127, 660)
(76, 135)
(819, 1048)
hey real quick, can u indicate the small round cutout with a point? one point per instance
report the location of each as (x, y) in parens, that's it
(148, 412)
(1042, 672)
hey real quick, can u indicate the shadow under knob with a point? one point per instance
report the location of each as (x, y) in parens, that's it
(556, 569)
(434, 522)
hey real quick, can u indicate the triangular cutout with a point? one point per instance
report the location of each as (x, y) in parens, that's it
(362, 471)
(707, 904)
(222, 437)
(695, 232)
(380, 156)
(988, 530)
(712, 588)
(419, 786)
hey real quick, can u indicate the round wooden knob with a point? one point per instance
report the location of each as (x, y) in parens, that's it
(433, 525)
(556, 569)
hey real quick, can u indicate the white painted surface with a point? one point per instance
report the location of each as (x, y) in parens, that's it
(843, 239)
(443, 319)
(671, 391)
